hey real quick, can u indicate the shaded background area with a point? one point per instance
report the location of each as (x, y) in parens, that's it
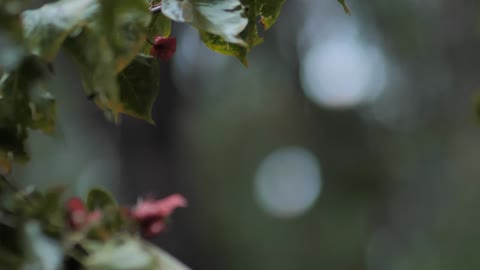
(349, 143)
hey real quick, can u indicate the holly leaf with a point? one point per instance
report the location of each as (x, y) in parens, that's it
(225, 18)
(139, 86)
(99, 198)
(345, 7)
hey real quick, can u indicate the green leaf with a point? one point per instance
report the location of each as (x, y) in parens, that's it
(139, 86)
(345, 7)
(265, 10)
(24, 103)
(124, 24)
(159, 26)
(224, 18)
(46, 28)
(132, 92)
(106, 46)
(95, 58)
(99, 198)
(269, 10)
(217, 44)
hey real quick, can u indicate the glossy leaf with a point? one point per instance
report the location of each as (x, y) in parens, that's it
(46, 28)
(217, 44)
(139, 86)
(123, 24)
(267, 11)
(223, 18)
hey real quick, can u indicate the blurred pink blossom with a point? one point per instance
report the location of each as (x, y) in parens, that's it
(152, 214)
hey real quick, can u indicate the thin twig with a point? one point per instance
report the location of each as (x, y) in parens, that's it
(16, 189)
(9, 183)
(156, 8)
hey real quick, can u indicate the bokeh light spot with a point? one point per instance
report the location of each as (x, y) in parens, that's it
(288, 182)
(343, 73)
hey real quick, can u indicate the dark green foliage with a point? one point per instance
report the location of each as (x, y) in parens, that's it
(25, 103)
(139, 84)
(99, 198)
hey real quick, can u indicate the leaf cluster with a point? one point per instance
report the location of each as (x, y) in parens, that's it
(107, 39)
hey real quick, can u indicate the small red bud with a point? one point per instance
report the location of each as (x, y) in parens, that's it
(79, 216)
(163, 47)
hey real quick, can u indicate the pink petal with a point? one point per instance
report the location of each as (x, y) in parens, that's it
(160, 208)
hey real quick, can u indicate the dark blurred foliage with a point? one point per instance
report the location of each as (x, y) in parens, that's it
(399, 179)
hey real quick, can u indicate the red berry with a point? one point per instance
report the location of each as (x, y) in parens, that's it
(163, 47)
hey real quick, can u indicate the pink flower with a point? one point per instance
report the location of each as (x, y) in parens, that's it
(78, 215)
(151, 214)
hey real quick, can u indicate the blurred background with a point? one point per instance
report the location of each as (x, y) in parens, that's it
(350, 142)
